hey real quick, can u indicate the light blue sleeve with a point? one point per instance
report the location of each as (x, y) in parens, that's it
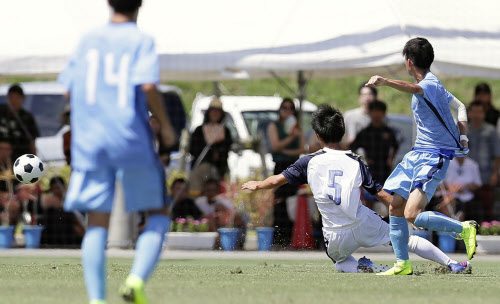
(430, 89)
(146, 68)
(67, 76)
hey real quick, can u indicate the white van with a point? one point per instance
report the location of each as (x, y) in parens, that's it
(46, 102)
(247, 119)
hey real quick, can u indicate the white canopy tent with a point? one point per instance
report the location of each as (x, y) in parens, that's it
(212, 40)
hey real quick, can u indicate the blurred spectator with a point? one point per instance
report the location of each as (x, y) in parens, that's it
(7, 179)
(287, 143)
(183, 206)
(212, 134)
(219, 211)
(484, 146)
(61, 228)
(160, 148)
(23, 205)
(66, 133)
(17, 124)
(461, 181)
(482, 93)
(358, 119)
(378, 144)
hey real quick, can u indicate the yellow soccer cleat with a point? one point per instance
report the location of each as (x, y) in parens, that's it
(400, 268)
(468, 235)
(133, 290)
(98, 302)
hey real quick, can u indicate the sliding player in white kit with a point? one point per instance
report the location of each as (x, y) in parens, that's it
(335, 178)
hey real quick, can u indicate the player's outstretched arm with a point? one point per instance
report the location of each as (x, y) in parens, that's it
(269, 183)
(158, 109)
(400, 85)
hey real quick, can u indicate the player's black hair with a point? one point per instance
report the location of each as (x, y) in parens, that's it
(328, 123)
(482, 87)
(377, 105)
(373, 89)
(125, 6)
(477, 103)
(16, 88)
(420, 51)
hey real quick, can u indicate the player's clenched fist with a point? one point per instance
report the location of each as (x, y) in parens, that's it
(376, 81)
(251, 185)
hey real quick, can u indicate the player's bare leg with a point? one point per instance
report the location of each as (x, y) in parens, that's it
(148, 250)
(94, 256)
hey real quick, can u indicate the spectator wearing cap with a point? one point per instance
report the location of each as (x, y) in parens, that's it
(215, 137)
(17, 124)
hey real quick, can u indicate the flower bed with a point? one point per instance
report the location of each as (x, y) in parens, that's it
(488, 240)
(190, 240)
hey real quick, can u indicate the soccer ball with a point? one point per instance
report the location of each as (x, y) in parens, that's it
(28, 169)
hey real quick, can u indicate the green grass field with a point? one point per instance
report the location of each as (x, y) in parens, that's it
(59, 280)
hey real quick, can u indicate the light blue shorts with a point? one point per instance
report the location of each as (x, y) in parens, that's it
(94, 190)
(418, 169)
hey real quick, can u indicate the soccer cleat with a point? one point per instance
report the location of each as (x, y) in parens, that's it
(133, 290)
(463, 267)
(468, 235)
(367, 266)
(98, 302)
(400, 268)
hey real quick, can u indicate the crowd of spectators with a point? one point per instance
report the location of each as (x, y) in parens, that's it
(468, 191)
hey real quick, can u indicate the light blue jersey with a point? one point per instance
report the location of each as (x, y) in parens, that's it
(431, 133)
(109, 116)
(111, 138)
(425, 166)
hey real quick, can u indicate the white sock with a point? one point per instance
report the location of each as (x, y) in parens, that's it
(427, 250)
(348, 265)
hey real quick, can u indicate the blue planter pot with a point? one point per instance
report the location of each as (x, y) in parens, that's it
(6, 236)
(265, 238)
(446, 242)
(32, 236)
(229, 238)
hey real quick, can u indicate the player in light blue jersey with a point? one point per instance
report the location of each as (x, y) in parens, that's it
(416, 178)
(111, 80)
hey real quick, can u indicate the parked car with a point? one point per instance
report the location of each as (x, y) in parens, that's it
(46, 102)
(247, 119)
